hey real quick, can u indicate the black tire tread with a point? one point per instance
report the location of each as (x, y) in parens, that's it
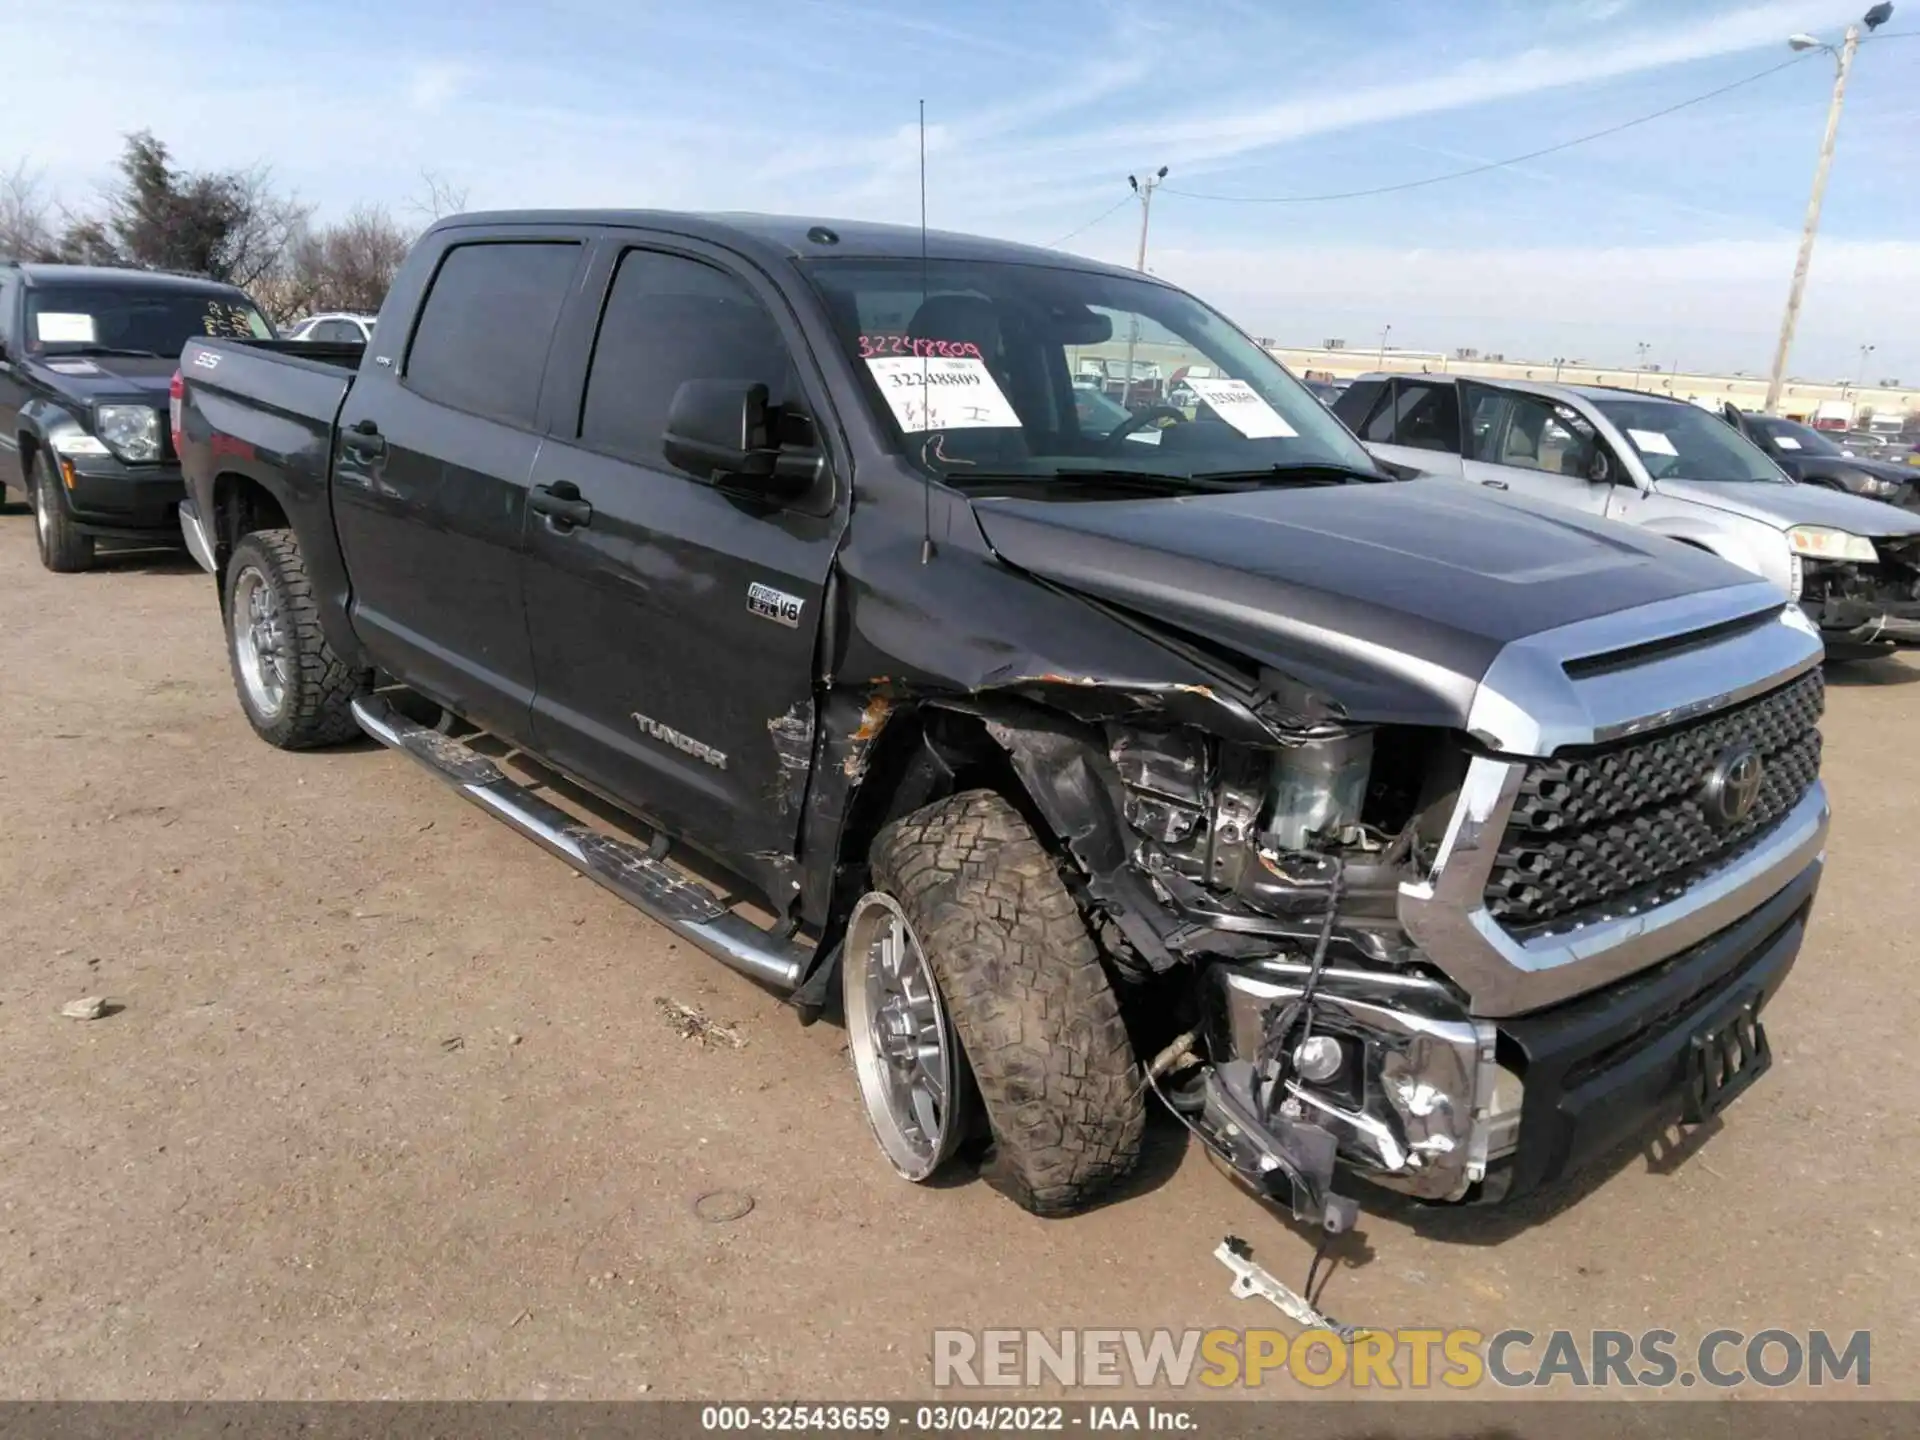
(1027, 996)
(64, 551)
(323, 691)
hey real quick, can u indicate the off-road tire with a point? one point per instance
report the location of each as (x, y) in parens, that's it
(63, 549)
(317, 709)
(1029, 1002)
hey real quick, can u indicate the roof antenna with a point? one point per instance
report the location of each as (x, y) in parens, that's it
(926, 388)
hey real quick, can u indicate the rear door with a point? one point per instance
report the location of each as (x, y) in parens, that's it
(431, 472)
(1533, 446)
(1415, 421)
(674, 627)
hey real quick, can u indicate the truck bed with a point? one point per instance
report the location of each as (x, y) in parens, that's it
(275, 398)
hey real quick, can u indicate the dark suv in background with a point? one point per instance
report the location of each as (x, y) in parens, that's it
(86, 356)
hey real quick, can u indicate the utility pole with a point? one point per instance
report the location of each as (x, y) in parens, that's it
(1843, 66)
(1385, 330)
(1144, 189)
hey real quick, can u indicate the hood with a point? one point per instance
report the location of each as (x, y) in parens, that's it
(1785, 506)
(88, 378)
(1868, 465)
(1393, 599)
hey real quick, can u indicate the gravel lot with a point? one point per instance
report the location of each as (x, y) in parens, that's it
(388, 1103)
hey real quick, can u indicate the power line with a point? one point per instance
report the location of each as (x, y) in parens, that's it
(1091, 223)
(1491, 164)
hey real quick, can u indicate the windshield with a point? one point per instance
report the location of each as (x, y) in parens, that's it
(1684, 442)
(128, 320)
(1790, 438)
(1032, 372)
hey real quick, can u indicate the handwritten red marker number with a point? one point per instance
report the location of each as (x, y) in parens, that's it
(872, 347)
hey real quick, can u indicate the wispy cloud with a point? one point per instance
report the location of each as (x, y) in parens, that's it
(1218, 133)
(433, 86)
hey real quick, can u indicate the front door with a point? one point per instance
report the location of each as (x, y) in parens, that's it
(431, 473)
(1534, 447)
(673, 620)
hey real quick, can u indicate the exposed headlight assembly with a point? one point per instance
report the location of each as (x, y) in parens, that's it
(131, 431)
(1823, 544)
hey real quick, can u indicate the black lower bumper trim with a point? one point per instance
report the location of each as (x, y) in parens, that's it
(1620, 1062)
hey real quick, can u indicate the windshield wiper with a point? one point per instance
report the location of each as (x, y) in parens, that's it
(91, 349)
(1304, 472)
(1157, 480)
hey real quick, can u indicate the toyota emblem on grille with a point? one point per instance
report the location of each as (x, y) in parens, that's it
(1733, 785)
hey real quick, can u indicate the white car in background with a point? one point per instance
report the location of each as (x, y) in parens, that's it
(1852, 563)
(336, 326)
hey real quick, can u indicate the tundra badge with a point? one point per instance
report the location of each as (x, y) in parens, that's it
(685, 744)
(776, 605)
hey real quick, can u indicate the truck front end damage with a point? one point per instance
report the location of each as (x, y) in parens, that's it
(1456, 963)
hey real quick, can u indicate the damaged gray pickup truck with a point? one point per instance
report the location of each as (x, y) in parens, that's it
(1383, 830)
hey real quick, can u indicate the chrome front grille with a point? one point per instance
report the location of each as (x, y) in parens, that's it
(1624, 825)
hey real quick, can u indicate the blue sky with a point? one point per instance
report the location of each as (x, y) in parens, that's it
(1679, 233)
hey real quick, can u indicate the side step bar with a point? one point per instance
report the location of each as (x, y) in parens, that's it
(680, 903)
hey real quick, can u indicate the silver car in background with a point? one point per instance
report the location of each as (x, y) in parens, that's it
(1853, 564)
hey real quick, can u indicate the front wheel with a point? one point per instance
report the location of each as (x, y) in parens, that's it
(970, 972)
(63, 548)
(297, 693)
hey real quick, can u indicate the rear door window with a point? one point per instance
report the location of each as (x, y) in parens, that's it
(1428, 416)
(481, 342)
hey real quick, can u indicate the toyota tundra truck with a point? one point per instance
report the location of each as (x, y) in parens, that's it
(766, 572)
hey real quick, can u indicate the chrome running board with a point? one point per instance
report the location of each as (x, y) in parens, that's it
(677, 901)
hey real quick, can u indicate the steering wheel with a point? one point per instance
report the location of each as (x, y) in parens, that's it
(1140, 421)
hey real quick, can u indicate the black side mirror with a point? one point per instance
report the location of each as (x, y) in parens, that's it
(1600, 467)
(727, 433)
(721, 427)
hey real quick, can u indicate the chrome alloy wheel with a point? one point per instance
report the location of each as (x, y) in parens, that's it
(42, 515)
(903, 1048)
(262, 648)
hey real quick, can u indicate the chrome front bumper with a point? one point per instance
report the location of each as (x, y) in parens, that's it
(199, 542)
(1421, 1106)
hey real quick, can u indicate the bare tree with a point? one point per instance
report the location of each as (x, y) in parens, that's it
(346, 266)
(437, 198)
(263, 228)
(26, 216)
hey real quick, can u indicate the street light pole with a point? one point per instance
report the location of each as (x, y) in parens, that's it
(1640, 370)
(1844, 65)
(1144, 189)
(1385, 330)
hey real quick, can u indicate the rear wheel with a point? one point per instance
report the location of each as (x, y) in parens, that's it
(970, 972)
(63, 548)
(297, 693)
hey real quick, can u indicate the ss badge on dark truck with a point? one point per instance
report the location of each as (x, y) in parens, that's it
(776, 605)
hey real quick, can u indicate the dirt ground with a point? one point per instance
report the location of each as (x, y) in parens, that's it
(388, 1104)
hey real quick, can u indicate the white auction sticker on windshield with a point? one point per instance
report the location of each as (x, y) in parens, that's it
(930, 392)
(64, 329)
(1242, 407)
(1652, 442)
(1786, 442)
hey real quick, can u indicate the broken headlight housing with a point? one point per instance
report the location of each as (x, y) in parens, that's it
(1222, 826)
